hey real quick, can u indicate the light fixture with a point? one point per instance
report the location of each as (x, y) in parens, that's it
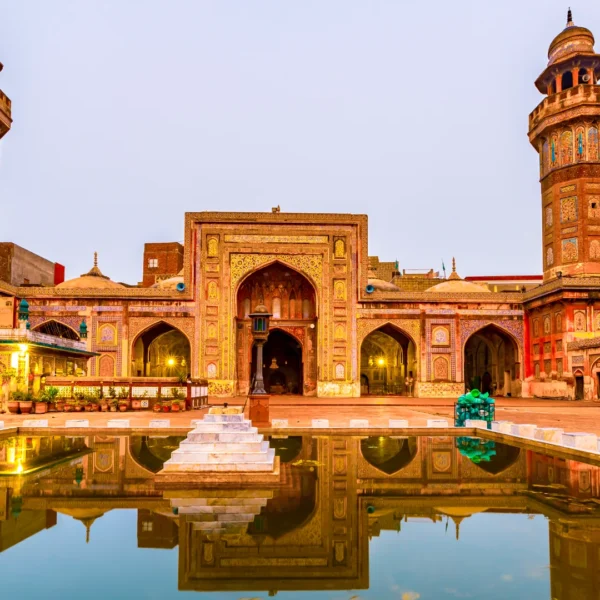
(381, 362)
(23, 348)
(171, 362)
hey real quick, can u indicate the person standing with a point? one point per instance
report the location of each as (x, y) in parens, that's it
(409, 383)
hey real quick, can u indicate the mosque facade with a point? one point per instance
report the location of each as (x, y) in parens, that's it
(345, 323)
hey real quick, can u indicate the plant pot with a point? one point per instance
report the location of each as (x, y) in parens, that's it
(13, 407)
(95, 408)
(136, 404)
(69, 408)
(26, 407)
(79, 408)
(175, 407)
(123, 407)
(113, 409)
(166, 408)
(89, 407)
(41, 408)
(60, 406)
(156, 408)
(103, 407)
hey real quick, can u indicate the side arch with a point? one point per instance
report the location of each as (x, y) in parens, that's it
(57, 328)
(141, 345)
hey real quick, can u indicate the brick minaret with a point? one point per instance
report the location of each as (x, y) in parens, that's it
(564, 130)
(5, 119)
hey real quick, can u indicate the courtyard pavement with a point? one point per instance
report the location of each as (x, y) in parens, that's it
(571, 416)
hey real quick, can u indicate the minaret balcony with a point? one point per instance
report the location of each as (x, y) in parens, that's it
(5, 114)
(576, 102)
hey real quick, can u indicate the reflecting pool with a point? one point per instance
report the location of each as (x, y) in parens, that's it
(353, 518)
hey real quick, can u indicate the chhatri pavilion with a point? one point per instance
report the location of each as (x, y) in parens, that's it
(344, 323)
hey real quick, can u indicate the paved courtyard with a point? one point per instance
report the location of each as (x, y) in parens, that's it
(571, 416)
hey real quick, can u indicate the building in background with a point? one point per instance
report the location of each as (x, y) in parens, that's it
(345, 323)
(22, 267)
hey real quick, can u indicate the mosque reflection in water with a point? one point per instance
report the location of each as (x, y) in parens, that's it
(336, 493)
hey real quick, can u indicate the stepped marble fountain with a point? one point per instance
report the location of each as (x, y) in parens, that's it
(223, 448)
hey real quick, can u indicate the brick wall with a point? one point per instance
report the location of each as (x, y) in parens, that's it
(161, 261)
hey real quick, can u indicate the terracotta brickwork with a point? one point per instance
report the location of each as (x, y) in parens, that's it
(161, 261)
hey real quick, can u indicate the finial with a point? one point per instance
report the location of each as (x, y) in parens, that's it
(454, 275)
(569, 18)
(95, 259)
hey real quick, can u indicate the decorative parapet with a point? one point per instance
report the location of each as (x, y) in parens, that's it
(34, 337)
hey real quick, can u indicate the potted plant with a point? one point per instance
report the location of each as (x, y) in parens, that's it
(175, 406)
(113, 405)
(13, 403)
(70, 406)
(40, 404)
(165, 406)
(26, 405)
(157, 407)
(50, 396)
(136, 403)
(123, 405)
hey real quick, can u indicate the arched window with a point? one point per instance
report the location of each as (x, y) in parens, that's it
(306, 308)
(582, 73)
(277, 308)
(567, 80)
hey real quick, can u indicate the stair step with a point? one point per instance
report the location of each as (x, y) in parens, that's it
(239, 418)
(238, 437)
(224, 427)
(218, 458)
(191, 446)
(171, 466)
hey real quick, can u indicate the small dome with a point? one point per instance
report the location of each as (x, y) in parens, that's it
(571, 40)
(459, 286)
(383, 286)
(93, 279)
(261, 308)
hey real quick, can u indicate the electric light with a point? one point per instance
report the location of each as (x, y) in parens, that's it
(19, 467)
(23, 348)
(381, 362)
(171, 362)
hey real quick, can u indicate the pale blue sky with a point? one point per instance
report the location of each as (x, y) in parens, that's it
(128, 114)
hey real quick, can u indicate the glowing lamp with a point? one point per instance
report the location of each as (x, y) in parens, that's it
(171, 362)
(23, 348)
(381, 362)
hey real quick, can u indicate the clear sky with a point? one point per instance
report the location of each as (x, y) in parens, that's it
(128, 114)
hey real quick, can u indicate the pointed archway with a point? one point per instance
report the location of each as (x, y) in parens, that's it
(491, 362)
(388, 362)
(161, 351)
(291, 299)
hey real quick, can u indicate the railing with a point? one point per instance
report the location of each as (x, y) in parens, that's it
(578, 94)
(24, 336)
(195, 391)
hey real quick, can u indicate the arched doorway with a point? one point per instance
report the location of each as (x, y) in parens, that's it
(282, 366)
(290, 363)
(491, 362)
(387, 359)
(161, 351)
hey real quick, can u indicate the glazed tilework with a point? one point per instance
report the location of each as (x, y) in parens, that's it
(568, 209)
(570, 250)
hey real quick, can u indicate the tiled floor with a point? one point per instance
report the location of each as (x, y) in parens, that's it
(571, 416)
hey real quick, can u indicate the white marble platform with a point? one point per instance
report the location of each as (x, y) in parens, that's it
(502, 426)
(222, 443)
(581, 441)
(437, 423)
(159, 423)
(523, 429)
(361, 423)
(549, 434)
(35, 423)
(398, 423)
(77, 423)
(124, 423)
(481, 423)
(320, 423)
